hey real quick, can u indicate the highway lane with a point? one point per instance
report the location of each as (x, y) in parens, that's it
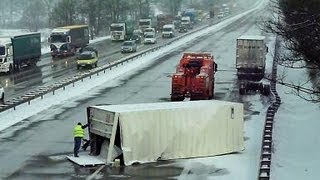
(50, 70)
(36, 148)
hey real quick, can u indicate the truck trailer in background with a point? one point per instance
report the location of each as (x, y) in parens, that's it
(250, 63)
(18, 51)
(64, 41)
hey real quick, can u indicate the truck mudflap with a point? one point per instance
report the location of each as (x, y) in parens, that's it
(249, 86)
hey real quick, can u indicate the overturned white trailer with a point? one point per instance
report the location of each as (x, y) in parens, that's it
(141, 133)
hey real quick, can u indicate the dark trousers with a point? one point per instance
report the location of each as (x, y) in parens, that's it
(77, 145)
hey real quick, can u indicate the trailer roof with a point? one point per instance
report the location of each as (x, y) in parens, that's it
(5, 38)
(73, 27)
(252, 37)
(163, 105)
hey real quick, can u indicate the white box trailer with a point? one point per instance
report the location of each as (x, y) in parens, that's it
(142, 133)
(251, 57)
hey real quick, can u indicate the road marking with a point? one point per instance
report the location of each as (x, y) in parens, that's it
(95, 173)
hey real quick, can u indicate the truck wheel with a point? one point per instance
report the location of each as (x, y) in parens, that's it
(242, 90)
(10, 69)
(2, 98)
(266, 90)
(96, 64)
(78, 67)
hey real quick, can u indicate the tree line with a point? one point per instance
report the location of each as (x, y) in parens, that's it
(297, 22)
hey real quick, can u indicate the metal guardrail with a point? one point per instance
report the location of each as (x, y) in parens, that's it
(267, 145)
(42, 90)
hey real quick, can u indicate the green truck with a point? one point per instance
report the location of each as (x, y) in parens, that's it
(19, 51)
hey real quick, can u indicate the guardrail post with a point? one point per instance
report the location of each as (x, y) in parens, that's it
(53, 92)
(41, 96)
(28, 102)
(73, 84)
(64, 88)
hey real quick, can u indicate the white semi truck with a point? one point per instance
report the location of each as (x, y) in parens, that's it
(148, 132)
(145, 23)
(251, 62)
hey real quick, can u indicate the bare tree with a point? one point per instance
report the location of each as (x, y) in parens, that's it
(298, 23)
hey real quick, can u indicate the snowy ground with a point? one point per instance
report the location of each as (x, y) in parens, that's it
(296, 133)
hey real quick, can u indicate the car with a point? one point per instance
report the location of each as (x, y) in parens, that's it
(137, 38)
(129, 46)
(87, 58)
(183, 29)
(220, 15)
(150, 39)
(1, 94)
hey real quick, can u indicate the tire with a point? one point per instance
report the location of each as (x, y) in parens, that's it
(266, 90)
(2, 98)
(10, 69)
(242, 90)
(78, 67)
(96, 64)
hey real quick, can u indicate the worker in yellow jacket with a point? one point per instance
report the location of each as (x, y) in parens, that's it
(78, 133)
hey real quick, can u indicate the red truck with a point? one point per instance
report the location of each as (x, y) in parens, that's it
(194, 77)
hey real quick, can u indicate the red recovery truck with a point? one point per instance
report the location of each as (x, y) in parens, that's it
(194, 77)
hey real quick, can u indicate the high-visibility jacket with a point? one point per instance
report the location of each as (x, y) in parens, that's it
(78, 131)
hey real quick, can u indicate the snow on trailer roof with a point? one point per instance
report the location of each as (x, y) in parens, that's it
(252, 37)
(8, 37)
(164, 105)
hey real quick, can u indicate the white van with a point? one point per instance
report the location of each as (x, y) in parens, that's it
(168, 31)
(150, 31)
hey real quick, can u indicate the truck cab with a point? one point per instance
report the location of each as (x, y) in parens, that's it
(64, 41)
(60, 41)
(168, 31)
(149, 31)
(6, 56)
(144, 23)
(186, 21)
(118, 31)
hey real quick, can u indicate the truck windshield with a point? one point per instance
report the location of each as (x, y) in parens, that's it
(64, 47)
(148, 30)
(166, 29)
(2, 50)
(185, 21)
(58, 38)
(148, 36)
(144, 23)
(116, 28)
